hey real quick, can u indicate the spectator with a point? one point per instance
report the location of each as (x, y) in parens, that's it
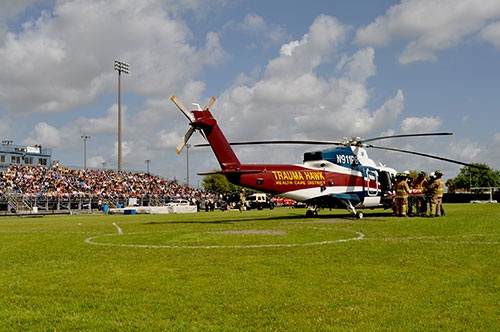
(60, 182)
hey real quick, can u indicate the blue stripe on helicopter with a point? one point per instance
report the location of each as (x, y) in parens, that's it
(348, 197)
(343, 156)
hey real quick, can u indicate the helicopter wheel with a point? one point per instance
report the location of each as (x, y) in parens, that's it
(311, 213)
(359, 215)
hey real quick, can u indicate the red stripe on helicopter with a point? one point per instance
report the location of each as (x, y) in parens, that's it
(281, 179)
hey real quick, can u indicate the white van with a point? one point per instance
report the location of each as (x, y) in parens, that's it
(258, 201)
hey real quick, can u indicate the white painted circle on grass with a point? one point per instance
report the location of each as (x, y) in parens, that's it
(93, 241)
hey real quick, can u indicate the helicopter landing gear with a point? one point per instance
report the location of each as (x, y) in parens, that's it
(312, 212)
(352, 209)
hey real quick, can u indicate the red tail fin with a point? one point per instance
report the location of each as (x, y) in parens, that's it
(222, 150)
(204, 121)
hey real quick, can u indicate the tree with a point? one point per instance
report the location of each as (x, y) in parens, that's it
(480, 176)
(218, 183)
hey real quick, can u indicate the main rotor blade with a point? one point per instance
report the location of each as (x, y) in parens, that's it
(423, 155)
(184, 140)
(314, 142)
(279, 142)
(404, 135)
(182, 108)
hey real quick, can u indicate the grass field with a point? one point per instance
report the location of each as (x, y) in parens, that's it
(252, 271)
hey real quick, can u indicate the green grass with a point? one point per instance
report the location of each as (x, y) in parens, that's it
(258, 270)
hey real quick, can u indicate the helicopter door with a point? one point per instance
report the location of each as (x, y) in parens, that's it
(372, 190)
(371, 183)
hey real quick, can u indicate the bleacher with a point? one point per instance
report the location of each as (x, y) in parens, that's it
(27, 190)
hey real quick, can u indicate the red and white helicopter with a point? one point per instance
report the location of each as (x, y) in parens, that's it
(343, 176)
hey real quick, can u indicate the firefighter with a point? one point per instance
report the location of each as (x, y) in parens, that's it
(419, 185)
(436, 190)
(402, 191)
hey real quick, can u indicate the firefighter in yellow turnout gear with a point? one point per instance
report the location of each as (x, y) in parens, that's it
(436, 190)
(419, 185)
(402, 191)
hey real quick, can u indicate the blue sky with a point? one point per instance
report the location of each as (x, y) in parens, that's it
(279, 70)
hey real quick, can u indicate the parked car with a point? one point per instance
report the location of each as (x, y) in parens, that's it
(178, 202)
(299, 205)
(258, 201)
(281, 201)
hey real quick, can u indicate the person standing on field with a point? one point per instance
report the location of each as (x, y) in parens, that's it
(436, 190)
(242, 200)
(402, 191)
(419, 184)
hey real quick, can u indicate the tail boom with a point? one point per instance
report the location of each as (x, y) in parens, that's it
(203, 121)
(225, 155)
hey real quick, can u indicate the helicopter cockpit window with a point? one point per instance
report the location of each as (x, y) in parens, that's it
(311, 156)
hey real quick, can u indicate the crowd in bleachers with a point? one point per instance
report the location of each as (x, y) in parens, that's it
(62, 182)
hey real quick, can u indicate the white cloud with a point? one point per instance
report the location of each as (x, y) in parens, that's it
(256, 32)
(361, 65)
(61, 61)
(96, 162)
(9, 10)
(386, 115)
(107, 125)
(420, 125)
(168, 139)
(490, 153)
(429, 25)
(491, 34)
(295, 100)
(64, 59)
(256, 25)
(287, 49)
(46, 135)
(12, 8)
(467, 151)
(298, 57)
(6, 128)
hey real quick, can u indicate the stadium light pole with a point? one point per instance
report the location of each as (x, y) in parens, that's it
(121, 67)
(85, 139)
(147, 161)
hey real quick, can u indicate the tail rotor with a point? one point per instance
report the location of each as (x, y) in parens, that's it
(210, 103)
(189, 115)
(184, 140)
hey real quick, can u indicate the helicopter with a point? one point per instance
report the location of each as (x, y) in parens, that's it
(339, 177)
